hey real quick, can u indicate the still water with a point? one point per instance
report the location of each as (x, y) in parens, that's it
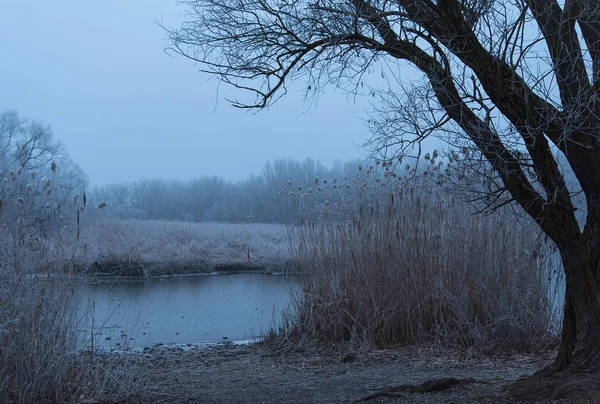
(184, 310)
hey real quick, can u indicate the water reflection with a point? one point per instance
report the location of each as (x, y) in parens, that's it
(183, 310)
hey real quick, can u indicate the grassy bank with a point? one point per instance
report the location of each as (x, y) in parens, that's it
(115, 247)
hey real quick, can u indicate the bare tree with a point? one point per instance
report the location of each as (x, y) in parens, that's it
(518, 79)
(36, 168)
(28, 144)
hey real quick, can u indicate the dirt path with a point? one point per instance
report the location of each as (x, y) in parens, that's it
(255, 374)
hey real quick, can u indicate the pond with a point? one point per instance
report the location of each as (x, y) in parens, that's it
(184, 309)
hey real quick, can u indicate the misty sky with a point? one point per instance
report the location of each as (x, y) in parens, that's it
(96, 72)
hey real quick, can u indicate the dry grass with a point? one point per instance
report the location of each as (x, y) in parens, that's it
(40, 349)
(406, 265)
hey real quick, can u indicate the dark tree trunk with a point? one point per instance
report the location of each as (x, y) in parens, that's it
(567, 341)
(576, 369)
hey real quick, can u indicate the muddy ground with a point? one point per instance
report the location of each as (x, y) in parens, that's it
(260, 374)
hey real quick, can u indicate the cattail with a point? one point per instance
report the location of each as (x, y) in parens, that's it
(427, 156)
(435, 154)
(84, 199)
(53, 166)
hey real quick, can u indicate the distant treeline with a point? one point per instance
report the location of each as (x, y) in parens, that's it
(39, 183)
(268, 197)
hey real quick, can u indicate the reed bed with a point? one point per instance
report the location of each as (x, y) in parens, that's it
(395, 262)
(41, 358)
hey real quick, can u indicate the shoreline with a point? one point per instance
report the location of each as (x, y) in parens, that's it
(262, 373)
(111, 278)
(135, 270)
(172, 348)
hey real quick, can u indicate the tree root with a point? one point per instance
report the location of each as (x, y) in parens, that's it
(572, 385)
(429, 386)
(530, 388)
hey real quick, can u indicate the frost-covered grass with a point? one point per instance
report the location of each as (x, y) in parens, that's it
(152, 247)
(410, 264)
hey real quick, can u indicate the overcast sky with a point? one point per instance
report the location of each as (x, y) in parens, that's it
(96, 72)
